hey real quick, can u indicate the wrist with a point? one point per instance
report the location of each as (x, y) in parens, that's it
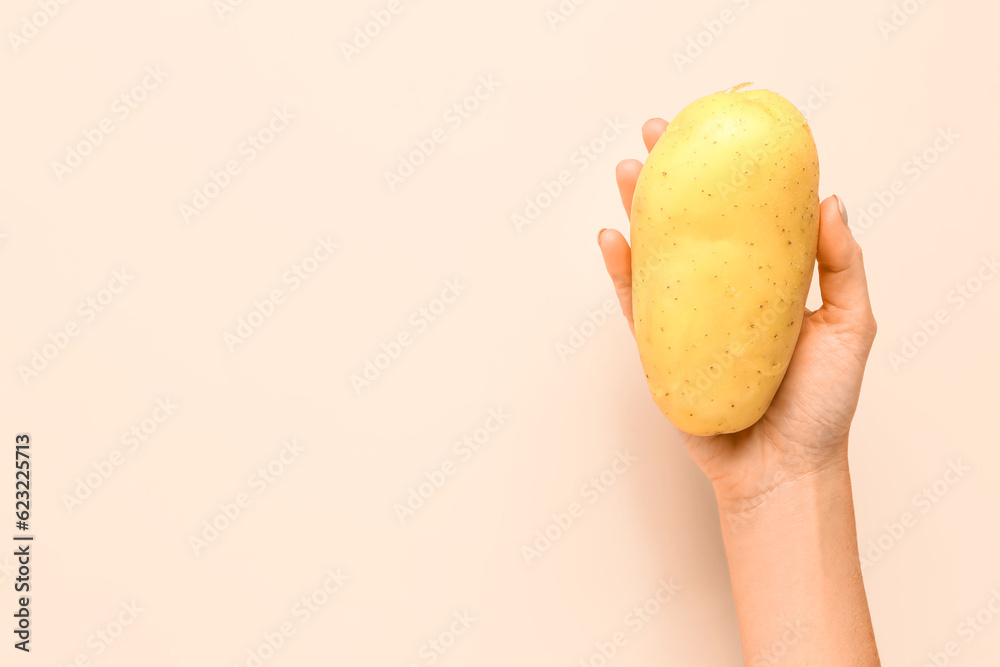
(787, 494)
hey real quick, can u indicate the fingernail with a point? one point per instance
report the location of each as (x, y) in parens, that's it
(843, 209)
(603, 229)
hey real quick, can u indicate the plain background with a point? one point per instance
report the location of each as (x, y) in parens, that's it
(878, 99)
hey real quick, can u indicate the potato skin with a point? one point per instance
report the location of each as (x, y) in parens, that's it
(724, 228)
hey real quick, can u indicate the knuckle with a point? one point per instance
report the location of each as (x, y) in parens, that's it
(870, 325)
(859, 253)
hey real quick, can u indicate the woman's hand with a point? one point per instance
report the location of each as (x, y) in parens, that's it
(783, 485)
(805, 429)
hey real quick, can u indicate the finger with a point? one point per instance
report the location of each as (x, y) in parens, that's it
(618, 261)
(627, 173)
(842, 281)
(652, 130)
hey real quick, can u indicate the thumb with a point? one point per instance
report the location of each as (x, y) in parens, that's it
(842, 280)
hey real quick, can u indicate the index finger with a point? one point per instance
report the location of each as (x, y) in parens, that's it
(652, 130)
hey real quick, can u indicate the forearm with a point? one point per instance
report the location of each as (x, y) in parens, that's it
(796, 574)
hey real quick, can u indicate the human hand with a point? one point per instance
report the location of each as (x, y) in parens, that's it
(805, 429)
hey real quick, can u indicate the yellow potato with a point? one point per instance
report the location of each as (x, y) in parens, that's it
(724, 227)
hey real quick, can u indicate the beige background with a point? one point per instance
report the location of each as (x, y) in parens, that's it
(881, 100)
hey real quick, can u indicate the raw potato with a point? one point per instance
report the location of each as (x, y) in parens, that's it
(724, 227)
